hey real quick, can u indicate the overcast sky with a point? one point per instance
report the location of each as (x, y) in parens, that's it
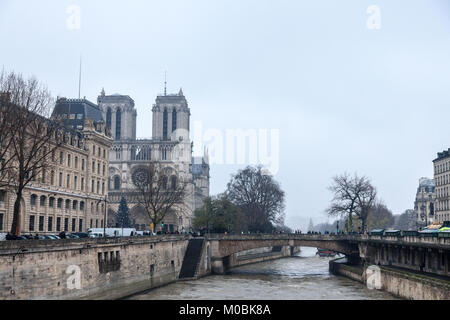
(344, 97)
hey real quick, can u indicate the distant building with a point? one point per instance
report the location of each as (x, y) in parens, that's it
(424, 202)
(442, 186)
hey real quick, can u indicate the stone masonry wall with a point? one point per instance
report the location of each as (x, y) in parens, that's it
(107, 268)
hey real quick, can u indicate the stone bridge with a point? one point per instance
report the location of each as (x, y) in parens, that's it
(424, 254)
(223, 246)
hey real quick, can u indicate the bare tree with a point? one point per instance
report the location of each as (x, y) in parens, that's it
(159, 192)
(260, 198)
(352, 196)
(30, 138)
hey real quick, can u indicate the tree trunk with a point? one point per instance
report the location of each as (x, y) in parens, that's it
(15, 228)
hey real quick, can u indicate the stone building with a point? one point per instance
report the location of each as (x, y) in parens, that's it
(424, 202)
(170, 146)
(442, 184)
(70, 195)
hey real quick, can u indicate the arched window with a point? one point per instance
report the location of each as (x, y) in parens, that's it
(118, 124)
(42, 201)
(165, 123)
(74, 205)
(108, 118)
(174, 120)
(164, 183)
(51, 202)
(116, 183)
(33, 200)
(173, 183)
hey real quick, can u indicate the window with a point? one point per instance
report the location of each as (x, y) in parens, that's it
(68, 181)
(52, 178)
(103, 188)
(61, 158)
(90, 224)
(42, 201)
(50, 224)
(68, 160)
(81, 205)
(41, 223)
(93, 166)
(74, 224)
(98, 187)
(173, 183)
(82, 184)
(58, 224)
(59, 204)
(174, 120)
(60, 179)
(118, 124)
(93, 150)
(104, 169)
(164, 183)
(92, 186)
(2, 198)
(104, 153)
(96, 223)
(82, 164)
(33, 200)
(76, 162)
(116, 183)
(31, 226)
(75, 183)
(1, 221)
(98, 168)
(108, 117)
(66, 224)
(67, 205)
(74, 205)
(51, 202)
(99, 153)
(80, 225)
(165, 122)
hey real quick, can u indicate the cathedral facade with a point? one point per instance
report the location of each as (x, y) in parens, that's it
(170, 146)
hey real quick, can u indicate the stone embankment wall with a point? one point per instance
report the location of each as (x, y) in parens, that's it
(399, 282)
(88, 269)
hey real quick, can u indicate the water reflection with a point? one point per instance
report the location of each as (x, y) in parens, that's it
(305, 276)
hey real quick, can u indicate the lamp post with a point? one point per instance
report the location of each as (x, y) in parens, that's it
(104, 216)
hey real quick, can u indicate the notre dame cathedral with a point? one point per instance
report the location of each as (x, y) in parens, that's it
(170, 145)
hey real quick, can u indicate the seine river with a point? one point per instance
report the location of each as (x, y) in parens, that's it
(303, 277)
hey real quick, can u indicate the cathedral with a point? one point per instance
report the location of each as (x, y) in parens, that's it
(170, 145)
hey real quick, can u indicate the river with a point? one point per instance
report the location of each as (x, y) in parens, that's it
(302, 277)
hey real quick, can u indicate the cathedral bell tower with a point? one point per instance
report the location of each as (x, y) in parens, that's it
(119, 114)
(171, 116)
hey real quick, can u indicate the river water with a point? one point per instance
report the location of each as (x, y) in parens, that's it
(302, 277)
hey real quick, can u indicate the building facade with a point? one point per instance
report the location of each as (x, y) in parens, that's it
(442, 185)
(424, 202)
(69, 195)
(170, 146)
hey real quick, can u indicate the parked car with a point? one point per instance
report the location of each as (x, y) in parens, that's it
(81, 234)
(2, 236)
(54, 237)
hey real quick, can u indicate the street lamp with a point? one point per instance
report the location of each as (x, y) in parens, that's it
(104, 217)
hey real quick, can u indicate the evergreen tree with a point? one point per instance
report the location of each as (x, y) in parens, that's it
(122, 218)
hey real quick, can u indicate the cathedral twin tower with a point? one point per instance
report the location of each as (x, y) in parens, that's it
(170, 144)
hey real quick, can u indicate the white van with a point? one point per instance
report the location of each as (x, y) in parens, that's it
(111, 232)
